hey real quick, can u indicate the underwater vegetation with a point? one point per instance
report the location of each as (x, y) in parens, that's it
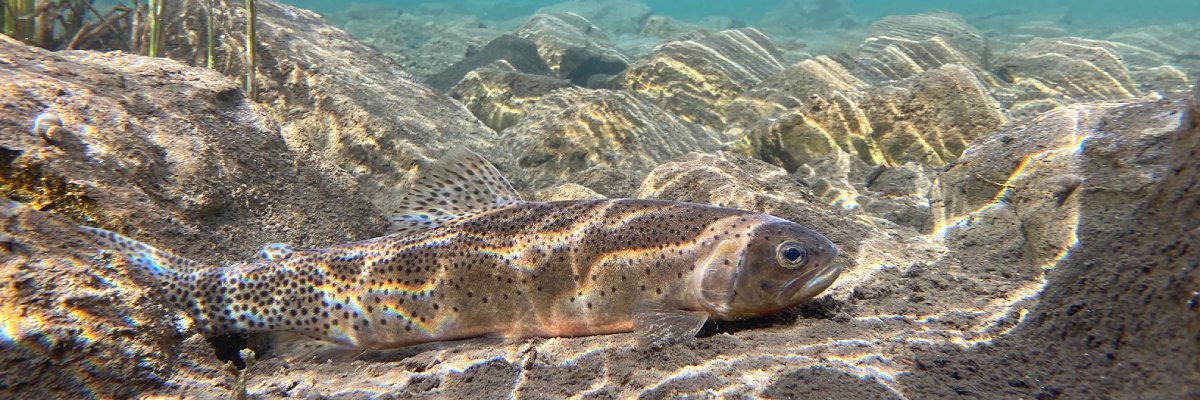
(137, 27)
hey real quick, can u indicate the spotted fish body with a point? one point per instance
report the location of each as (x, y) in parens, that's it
(471, 259)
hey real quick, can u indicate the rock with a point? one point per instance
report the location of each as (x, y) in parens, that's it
(171, 154)
(822, 76)
(1122, 300)
(573, 47)
(930, 119)
(927, 119)
(665, 27)
(697, 76)
(75, 327)
(153, 146)
(1033, 179)
(574, 131)
(613, 16)
(499, 95)
(902, 46)
(339, 98)
(1161, 79)
(1069, 70)
(518, 53)
(567, 191)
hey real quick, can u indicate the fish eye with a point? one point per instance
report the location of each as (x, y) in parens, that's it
(790, 255)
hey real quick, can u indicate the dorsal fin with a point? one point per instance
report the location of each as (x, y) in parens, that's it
(276, 251)
(461, 183)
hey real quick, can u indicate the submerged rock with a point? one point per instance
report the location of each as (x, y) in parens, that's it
(926, 119)
(499, 95)
(1069, 69)
(1029, 183)
(1118, 296)
(76, 327)
(573, 48)
(518, 53)
(696, 76)
(617, 17)
(339, 98)
(163, 151)
(580, 133)
(901, 46)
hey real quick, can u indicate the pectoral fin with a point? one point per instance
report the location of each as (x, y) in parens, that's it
(657, 323)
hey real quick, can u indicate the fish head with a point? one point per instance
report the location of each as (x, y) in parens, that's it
(779, 264)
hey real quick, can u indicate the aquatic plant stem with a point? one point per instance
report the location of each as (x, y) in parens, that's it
(17, 22)
(251, 66)
(156, 10)
(210, 37)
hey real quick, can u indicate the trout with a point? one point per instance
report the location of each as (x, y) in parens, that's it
(469, 258)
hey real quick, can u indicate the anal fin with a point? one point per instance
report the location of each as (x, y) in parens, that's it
(655, 323)
(297, 347)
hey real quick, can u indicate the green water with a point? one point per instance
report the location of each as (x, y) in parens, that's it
(1102, 12)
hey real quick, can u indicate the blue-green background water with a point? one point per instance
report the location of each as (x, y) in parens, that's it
(1099, 12)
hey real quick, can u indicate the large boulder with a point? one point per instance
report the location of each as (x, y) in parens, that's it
(603, 139)
(335, 96)
(1069, 69)
(1116, 314)
(518, 53)
(901, 46)
(618, 17)
(574, 49)
(1022, 190)
(499, 94)
(697, 75)
(168, 153)
(926, 119)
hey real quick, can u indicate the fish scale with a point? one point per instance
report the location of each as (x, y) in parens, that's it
(470, 259)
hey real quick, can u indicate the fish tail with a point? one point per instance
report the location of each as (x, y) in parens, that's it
(177, 277)
(158, 263)
(244, 298)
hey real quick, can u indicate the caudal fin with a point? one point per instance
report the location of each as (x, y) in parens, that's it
(158, 263)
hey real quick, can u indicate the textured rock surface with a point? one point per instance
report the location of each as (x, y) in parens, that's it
(926, 119)
(898, 47)
(76, 327)
(929, 119)
(573, 47)
(151, 146)
(339, 97)
(1027, 184)
(582, 133)
(499, 95)
(1128, 295)
(160, 150)
(699, 74)
(1069, 69)
(665, 27)
(1120, 306)
(613, 16)
(519, 54)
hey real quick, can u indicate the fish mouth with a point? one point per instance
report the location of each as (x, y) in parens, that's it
(808, 285)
